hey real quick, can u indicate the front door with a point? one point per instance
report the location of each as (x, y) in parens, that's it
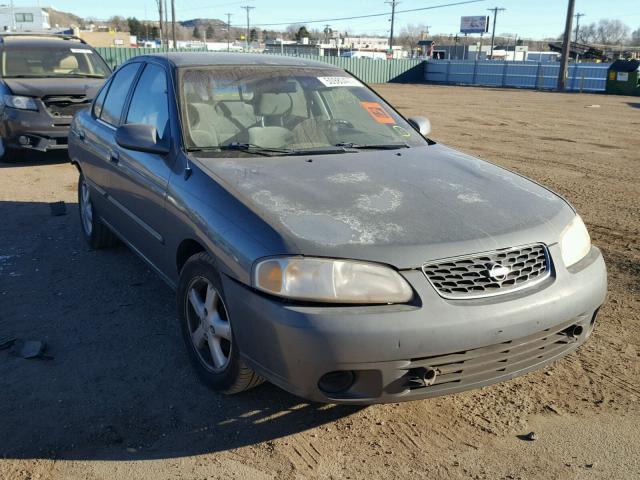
(139, 183)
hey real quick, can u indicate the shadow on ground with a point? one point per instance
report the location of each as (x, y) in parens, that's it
(120, 385)
(37, 158)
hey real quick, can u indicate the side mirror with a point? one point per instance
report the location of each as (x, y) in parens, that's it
(422, 124)
(141, 138)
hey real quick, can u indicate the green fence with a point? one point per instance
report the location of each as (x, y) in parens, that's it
(368, 70)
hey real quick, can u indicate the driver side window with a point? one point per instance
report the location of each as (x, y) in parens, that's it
(149, 104)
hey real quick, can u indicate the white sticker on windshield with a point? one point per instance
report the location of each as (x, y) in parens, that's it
(81, 50)
(340, 82)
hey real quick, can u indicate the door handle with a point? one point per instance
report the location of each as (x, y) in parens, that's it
(114, 157)
(81, 135)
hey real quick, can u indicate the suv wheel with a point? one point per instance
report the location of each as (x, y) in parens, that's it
(96, 234)
(11, 155)
(207, 329)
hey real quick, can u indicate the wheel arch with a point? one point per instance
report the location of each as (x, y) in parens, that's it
(187, 248)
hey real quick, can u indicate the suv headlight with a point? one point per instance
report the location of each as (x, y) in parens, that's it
(20, 102)
(575, 242)
(327, 280)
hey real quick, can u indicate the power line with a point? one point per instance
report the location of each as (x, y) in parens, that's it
(326, 20)
(495, 11)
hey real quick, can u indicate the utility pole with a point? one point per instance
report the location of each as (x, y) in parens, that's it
(327, 31)
(173, 23)
(161, 14)
(566, 43)
(393, 4)
(248, 9)
(575, 40)
(495, 11)
(166, 22)
(228, 31)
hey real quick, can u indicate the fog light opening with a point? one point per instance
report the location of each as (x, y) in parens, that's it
(575, 331)
(24, 140)
(429, 376)
(336, 382)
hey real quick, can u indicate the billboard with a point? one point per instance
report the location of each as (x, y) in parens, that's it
(477, 24)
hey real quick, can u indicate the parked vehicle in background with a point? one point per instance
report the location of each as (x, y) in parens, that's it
(318, 239)
(363, 54)
(44, 80)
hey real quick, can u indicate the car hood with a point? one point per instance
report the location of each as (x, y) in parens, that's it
(400, 207)
(41, 87)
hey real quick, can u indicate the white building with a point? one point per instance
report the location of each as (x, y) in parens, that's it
(365, 43)
(23, 19)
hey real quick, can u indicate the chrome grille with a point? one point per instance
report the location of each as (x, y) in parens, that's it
(483, 275)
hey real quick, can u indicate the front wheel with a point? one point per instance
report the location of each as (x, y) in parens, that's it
(207, 330)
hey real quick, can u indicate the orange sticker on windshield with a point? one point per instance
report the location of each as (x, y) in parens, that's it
(377, 112)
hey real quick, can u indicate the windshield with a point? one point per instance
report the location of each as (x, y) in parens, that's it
(53, 61)
(291, 109)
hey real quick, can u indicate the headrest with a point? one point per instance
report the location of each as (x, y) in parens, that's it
(274, 104)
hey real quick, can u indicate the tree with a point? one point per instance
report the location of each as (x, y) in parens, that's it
(154, 32)
(635, 38)
(292, 30)
(196, 33)
(410, 36)
(253, 35)
(612, 32)
(117, 22)
(605, 32)
(302, 33)
(210, 31)
(135, 26)
(586, 33)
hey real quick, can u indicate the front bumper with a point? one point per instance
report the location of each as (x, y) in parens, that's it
(466, 343)
(33, 130)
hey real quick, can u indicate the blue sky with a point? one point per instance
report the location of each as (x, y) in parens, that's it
(527, 18)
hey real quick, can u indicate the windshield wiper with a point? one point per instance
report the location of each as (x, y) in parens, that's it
(243, 147)
(373, 146)
(78, 75)
(273, 151)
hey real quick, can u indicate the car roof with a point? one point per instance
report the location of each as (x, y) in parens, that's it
(38, 40)
(202, 59)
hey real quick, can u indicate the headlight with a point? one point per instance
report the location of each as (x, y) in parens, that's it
(326, 280)
(19, 102)
(575, 242)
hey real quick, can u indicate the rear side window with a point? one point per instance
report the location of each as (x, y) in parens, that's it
(97, 105)
(117, 94)
(149, 104)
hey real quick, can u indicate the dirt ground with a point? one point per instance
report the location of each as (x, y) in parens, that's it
(119, 399)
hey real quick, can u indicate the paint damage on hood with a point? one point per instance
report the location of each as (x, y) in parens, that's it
(401, 207)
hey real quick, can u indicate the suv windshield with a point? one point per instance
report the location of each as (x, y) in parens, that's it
(295, 109)
(52, 61)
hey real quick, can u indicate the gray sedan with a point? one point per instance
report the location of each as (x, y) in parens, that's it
(319, 240)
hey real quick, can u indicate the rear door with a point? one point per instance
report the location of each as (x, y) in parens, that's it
(139, 182)
(96, 136)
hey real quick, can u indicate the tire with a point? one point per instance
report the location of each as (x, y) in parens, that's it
(207, 331)
(95, 233)
(13, 155)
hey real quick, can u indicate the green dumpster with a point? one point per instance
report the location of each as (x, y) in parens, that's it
(624, 78)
